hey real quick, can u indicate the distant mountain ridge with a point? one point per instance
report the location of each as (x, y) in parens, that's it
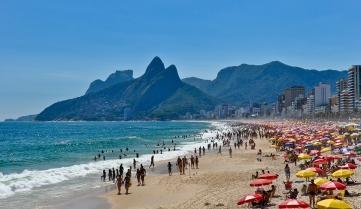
(261, 83)
(158, 94)
(114, 78)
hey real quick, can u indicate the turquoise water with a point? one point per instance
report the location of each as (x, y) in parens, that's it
(35, 156)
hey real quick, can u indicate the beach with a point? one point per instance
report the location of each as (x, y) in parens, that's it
(218, 183)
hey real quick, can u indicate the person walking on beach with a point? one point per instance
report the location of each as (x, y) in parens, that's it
(143, 172)
(127, 184)
(134, 164)
(184, 164)
(110, 174)
(192, 162)
(230, 152)
(119, 183)
(151, 162)
(169, 168)
(312, 191)
(104, 176)
(138, 176)
(287, 172)
(196, 161)
(121, 170)
(179, 164)
(220, 150)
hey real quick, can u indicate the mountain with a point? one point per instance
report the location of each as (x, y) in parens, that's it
(262, 83)
(23, 118)
(114, 78)
(158, 94)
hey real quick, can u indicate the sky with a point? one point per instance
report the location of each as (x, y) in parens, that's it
(52, 50)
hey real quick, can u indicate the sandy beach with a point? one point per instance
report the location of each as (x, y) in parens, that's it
(218, 183)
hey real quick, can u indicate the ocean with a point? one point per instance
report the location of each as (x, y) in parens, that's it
(42, 162)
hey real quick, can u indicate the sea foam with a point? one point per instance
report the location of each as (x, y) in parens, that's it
(27, 180)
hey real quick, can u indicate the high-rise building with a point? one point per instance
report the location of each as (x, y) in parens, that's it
(341, 85)
(322, 94)
(291, 93)
(354, 85)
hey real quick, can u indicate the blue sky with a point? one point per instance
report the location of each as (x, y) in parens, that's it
(52, 50)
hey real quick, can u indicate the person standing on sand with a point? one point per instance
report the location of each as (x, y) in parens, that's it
(119, 183)
(220, 150)
(104, 176)
(184, 164)
(121, 170)
(230, 152)
(312, 191)
(196, 161)
(287, 172)
(179, 164)
(138, 176)
(143, 172)
(151, 162)
(192, 161)
(169, 168)
(245, 145)
(127, 184)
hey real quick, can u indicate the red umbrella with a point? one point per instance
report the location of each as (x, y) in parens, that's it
(350, 154)
(319, 161)
(332, 185)
(250, 198)
(316, 170)
(268, 176)
(292, 203)
(348, 166)
(260, 182)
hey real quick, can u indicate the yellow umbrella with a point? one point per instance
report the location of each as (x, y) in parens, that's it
(342, 173)
(274, 146)
(333, 204)
(330, 142)
(326, 149)
(304, 156)
(305, 174)
(317, 143)
(319, 181)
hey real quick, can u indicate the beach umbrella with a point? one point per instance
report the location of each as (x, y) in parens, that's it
(350, 154)
(320, 181)
(333, 204)
(348, 166)
(293, 203)
(332, 185)
(342, 173)
(326, 149)
(250, 198)
(260, 182)
(316, 170)
(305, 174)
(268, 176)
(319, 161)
(304, 156)
(314, 152)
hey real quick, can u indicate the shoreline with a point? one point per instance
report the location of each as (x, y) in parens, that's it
(95, 199)
(207, 187)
